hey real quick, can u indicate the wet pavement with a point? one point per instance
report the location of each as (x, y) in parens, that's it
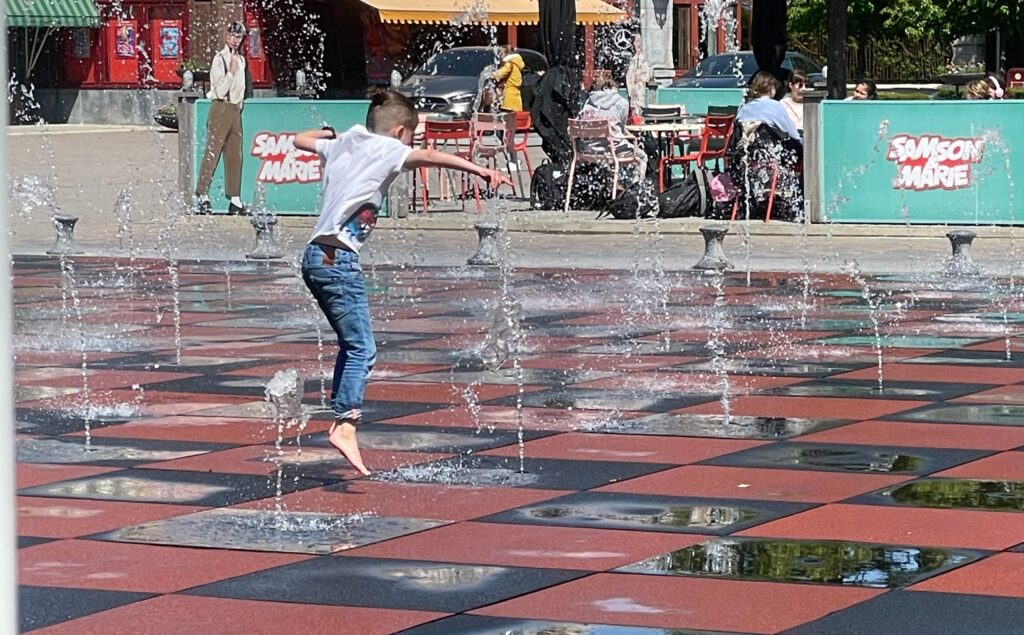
(669, 453)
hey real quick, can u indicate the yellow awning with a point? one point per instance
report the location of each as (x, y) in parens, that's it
(485, 11)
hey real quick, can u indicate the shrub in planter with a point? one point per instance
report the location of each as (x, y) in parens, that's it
(1017, 92)
(947, 92)
(904, 96)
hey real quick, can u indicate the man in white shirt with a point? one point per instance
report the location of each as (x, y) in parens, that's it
(224, 124)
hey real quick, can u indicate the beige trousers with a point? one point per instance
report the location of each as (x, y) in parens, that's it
(223, 136)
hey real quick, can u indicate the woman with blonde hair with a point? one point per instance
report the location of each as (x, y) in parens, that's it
(978, 89)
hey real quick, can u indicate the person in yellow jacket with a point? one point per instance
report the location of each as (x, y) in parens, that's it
(509, 77)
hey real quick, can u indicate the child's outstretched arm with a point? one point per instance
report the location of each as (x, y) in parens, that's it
(307, 140)
(425, 158)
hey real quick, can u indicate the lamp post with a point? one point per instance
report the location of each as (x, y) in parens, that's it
(836, 56)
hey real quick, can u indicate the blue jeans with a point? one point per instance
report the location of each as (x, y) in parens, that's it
(340, 291)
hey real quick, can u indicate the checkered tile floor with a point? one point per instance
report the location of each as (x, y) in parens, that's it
(665, 456)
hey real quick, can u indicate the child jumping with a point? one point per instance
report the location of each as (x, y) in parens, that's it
(358, 165)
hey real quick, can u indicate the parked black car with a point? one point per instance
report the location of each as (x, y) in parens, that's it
(732, 70)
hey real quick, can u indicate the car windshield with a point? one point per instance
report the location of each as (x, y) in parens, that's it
(458, 62)
(725, 66)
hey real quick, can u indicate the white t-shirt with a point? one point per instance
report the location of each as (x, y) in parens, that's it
(358, 167)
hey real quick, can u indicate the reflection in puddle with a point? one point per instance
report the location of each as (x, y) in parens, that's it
(448, 474)
(961, 494)
(131, 488)
(999, 415)
(59, 451)
(632, 513)
(259, 530)
(821, 562)
(441, 577)
(739, 427)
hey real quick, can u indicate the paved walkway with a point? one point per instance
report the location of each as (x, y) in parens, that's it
(631, 505)
(62, 167)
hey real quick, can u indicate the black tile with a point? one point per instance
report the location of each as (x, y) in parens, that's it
(848, 458)
(45, 606)
(606, 399)
(950, 493)
(613, 510)
(484, 625)
(828, 562)
(995, 359)
(53, 422)
(409, 438)
(899, 612)
(868, 389)
(32, 541)
(107, 451)
(776, 368)
(972, 414)
(178, 487)
(714, 426)
(392, 584)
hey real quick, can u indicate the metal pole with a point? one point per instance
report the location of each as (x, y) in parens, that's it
(8, 530)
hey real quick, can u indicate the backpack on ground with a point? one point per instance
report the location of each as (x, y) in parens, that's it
(692, 197)
(637, 200)
(548, 186)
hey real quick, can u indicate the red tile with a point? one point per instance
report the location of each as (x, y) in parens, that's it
(407, 391)
(505, 418)
(414, 500)
(677, 602)
(922, 435)
(675, 382)
(32, 474)
(998, 574)
(808, 407)
(529, 546)
(1005, 466)
(627, 447)
(202, 615)
(939, 373)
(916, 526)
(583, 361)
(756, 484)
(72, 517)
(114, 566)
(107, 380)
(259, 460)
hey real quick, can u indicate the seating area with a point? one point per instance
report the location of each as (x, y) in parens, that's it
(678, 140)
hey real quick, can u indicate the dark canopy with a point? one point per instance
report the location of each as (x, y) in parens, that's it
(555, 101)
(768, 36)
(558, 31)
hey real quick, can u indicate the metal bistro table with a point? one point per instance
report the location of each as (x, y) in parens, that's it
(663, 132)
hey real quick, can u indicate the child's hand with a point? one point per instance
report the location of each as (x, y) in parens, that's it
(496, 179)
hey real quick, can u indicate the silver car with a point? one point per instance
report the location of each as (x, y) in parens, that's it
(448, 82)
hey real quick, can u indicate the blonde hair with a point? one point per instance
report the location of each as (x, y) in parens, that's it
(978, 89)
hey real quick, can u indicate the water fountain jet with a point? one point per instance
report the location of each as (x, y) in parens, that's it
(714, 255)
(487, 251)
(266, 246)
(960, 262)
(65, 243)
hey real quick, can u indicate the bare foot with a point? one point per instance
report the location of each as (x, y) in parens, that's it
(342, 435)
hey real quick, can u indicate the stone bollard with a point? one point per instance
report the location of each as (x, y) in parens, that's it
(65, 243)
(714, 256)
(960, 262)
(487, 251)
(265, 249)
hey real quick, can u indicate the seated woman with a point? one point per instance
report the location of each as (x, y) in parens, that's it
(605, 102)
(766, 141)
(793, 102)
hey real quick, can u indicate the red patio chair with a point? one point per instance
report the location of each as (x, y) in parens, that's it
(714, 142)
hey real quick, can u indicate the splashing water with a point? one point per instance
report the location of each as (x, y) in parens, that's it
(284, 397)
